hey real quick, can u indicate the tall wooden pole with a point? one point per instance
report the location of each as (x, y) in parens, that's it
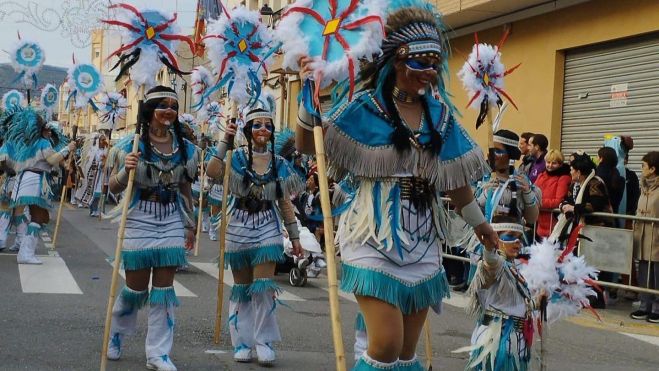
(120, 241)
(202, 178)
(64, 183)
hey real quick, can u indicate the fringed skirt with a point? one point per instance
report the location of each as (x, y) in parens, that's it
(253, 238)
(155, 236)
(499, 344)
(410, 276)
(31, 188)
(215, 195)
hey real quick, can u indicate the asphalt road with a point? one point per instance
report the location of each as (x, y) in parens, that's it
(51, 318)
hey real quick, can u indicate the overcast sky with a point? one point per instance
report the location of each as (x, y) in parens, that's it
(61, 26)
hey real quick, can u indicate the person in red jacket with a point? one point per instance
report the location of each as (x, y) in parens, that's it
(554, 183)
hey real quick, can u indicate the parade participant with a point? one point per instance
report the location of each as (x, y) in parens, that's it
(400, 145)
(261, 185)
(506, 193)
(503, 305)
(37, 150)
(159, 226)
(214, 197)
(6, 186)
(93, 155)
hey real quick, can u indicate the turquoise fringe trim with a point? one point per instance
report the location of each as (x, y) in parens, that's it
(366, 365)
(137, 299)
(251, 257)
(163, 296)
(18, 220)
(240, 293)
(31, 200)
(5, 214)
(360, 325)
(411, 365)
(154, 258)
(409, 299)
(33, 229)
(263, 285)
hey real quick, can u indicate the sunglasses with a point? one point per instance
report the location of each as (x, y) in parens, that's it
(420, 66)
(259, 125)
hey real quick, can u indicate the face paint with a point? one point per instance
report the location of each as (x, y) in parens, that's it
(421, 66)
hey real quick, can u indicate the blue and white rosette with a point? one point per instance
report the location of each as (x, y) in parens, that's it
(112, 107)
(86, 82)
(49, 98)
(27, 58)
(12, 99)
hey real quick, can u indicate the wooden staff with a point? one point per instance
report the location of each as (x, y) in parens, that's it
(120, 240)
(200, 214)
(223, 234)
(428, 344)
(330, 251)
(65, 185)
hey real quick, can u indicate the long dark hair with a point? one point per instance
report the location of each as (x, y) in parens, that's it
(247, 130)
(148, 109)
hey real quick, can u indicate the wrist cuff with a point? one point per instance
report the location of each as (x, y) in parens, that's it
(472, 214)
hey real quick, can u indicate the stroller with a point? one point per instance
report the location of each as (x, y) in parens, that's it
(299, 269)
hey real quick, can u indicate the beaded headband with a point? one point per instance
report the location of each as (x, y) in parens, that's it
(503, 227)
(161, 94)
(505, 141)
(418, 39)
(258, 115)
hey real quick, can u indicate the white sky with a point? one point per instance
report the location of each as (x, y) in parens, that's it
(57, 45)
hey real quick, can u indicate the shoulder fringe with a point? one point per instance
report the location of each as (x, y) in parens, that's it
(504, 286)
(383, 161)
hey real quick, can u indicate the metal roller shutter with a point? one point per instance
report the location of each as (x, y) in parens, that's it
(612, 89)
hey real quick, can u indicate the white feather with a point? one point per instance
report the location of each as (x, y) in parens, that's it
(482, 56)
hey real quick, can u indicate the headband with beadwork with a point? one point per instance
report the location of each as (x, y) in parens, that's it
(503, 227)
(505, 141)
(418, 39)
(161, 94)
(258, 115)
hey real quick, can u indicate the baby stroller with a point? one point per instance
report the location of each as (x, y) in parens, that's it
(299, 269)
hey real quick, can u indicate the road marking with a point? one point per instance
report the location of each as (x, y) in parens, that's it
(215, 351)
(181, 290)
(211, 270)
(654, 340)
(52, 277)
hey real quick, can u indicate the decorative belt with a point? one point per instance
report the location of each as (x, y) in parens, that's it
(491, 315)
(417, 190)
(163, 197)
(253, 205)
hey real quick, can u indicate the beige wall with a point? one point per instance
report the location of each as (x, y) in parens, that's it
(539, 44)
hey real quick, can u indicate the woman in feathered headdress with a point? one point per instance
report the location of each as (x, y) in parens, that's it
(261, 184)
(159, 226)
(400, 145)
(36, 150)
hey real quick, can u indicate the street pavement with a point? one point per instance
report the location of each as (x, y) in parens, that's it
(52, 316)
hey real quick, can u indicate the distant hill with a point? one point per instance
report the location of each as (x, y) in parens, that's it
(48, 75)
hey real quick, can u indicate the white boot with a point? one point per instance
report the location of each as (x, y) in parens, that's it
(241, 323)
(26, 254)
(5, 224)
(21, 223)
(361, 339)
(266, 331)
(124, 319)
(212, 233)
(205, 221)
(160, 333)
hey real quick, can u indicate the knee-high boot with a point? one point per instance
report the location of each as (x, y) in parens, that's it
(266, 331)
(367, 363)
(361, 338)
(5, 224)
(20, 222)
(241, 323)
(124, 318)
(26, 254)
(160, 333)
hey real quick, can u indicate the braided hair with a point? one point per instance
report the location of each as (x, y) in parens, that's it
(148, 109)
(247, 179)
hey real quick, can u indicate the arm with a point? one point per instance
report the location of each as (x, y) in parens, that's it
(463, 199)
(490, 268)
(288, 213)
(216, 165)
(54, 158)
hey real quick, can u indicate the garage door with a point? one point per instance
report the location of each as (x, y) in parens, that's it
(612, 89)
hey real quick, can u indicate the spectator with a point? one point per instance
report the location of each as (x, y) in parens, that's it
(632, 185)
(524, 148)
(646, 239)
(538, 144)
(554, 183)
(606, 170)
(595, 199)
